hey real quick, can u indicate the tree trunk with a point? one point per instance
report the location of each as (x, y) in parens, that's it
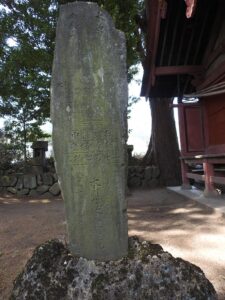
(163, 150)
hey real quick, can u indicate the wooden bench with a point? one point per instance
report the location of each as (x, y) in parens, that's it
(210, 171)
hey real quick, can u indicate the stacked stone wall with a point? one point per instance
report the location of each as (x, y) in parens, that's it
(143, 177)
(45, 184)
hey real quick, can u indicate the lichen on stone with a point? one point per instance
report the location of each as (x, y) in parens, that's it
(147, 272)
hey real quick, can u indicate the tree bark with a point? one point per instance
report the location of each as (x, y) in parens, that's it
(163, 150)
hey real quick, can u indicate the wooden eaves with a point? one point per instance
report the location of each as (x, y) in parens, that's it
(178, 47)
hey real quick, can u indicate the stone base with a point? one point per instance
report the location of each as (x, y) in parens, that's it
(146, 273)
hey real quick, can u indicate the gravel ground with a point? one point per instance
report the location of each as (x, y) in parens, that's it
(183, 227)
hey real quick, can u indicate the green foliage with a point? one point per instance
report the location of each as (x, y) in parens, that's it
(8, 153)
(22, 124)
(26, 52)
(20, 130)
(125, 14)
(25, 66)
(26, 55)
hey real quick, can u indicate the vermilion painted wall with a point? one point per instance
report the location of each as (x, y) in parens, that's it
(202, 126)
(192, 133)
(215, 114)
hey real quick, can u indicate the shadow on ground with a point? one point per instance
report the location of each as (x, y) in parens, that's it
(183, 227)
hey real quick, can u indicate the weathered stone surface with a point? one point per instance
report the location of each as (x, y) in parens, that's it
(7, 181)
(12, 190)
(19, 184)
(23, 192)
(155, 172)
(148, 173)
(30, 181)
(33, 193)
(47, 195)
(36, 169)
(55, 177)
(39, 179)
(145, 177)
(13, 180)
(135, 181)
(15, 183)
(88, 110)
(146, 273)
(47, 179)
(55, 189)
(42, 189)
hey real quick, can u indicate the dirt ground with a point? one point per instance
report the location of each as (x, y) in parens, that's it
(183, 227)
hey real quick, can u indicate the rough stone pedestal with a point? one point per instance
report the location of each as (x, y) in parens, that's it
(88, 109)
(147, 273)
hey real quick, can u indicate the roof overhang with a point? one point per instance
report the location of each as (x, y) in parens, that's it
(178, 35)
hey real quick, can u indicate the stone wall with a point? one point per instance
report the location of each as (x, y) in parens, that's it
(143, 177)
(45, 184)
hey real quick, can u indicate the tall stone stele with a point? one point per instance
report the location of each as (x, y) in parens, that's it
(88, 110)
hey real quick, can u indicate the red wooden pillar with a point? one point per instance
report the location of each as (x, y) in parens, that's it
(184, 167)
(185, 181)
(210, 190)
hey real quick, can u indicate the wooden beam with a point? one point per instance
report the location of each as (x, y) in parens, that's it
(212, 78)
(172, 44)
(217, 161)
(194, 161)
(197, 46)
(164, 40)
(218, 179)
(215, 179)
(196, 176)
(215, 53)
(218, 150)
(215, 32)
(175, 70)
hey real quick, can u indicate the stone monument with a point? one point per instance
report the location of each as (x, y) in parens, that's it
(89, 98)
(38, 163)
(88, 110)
